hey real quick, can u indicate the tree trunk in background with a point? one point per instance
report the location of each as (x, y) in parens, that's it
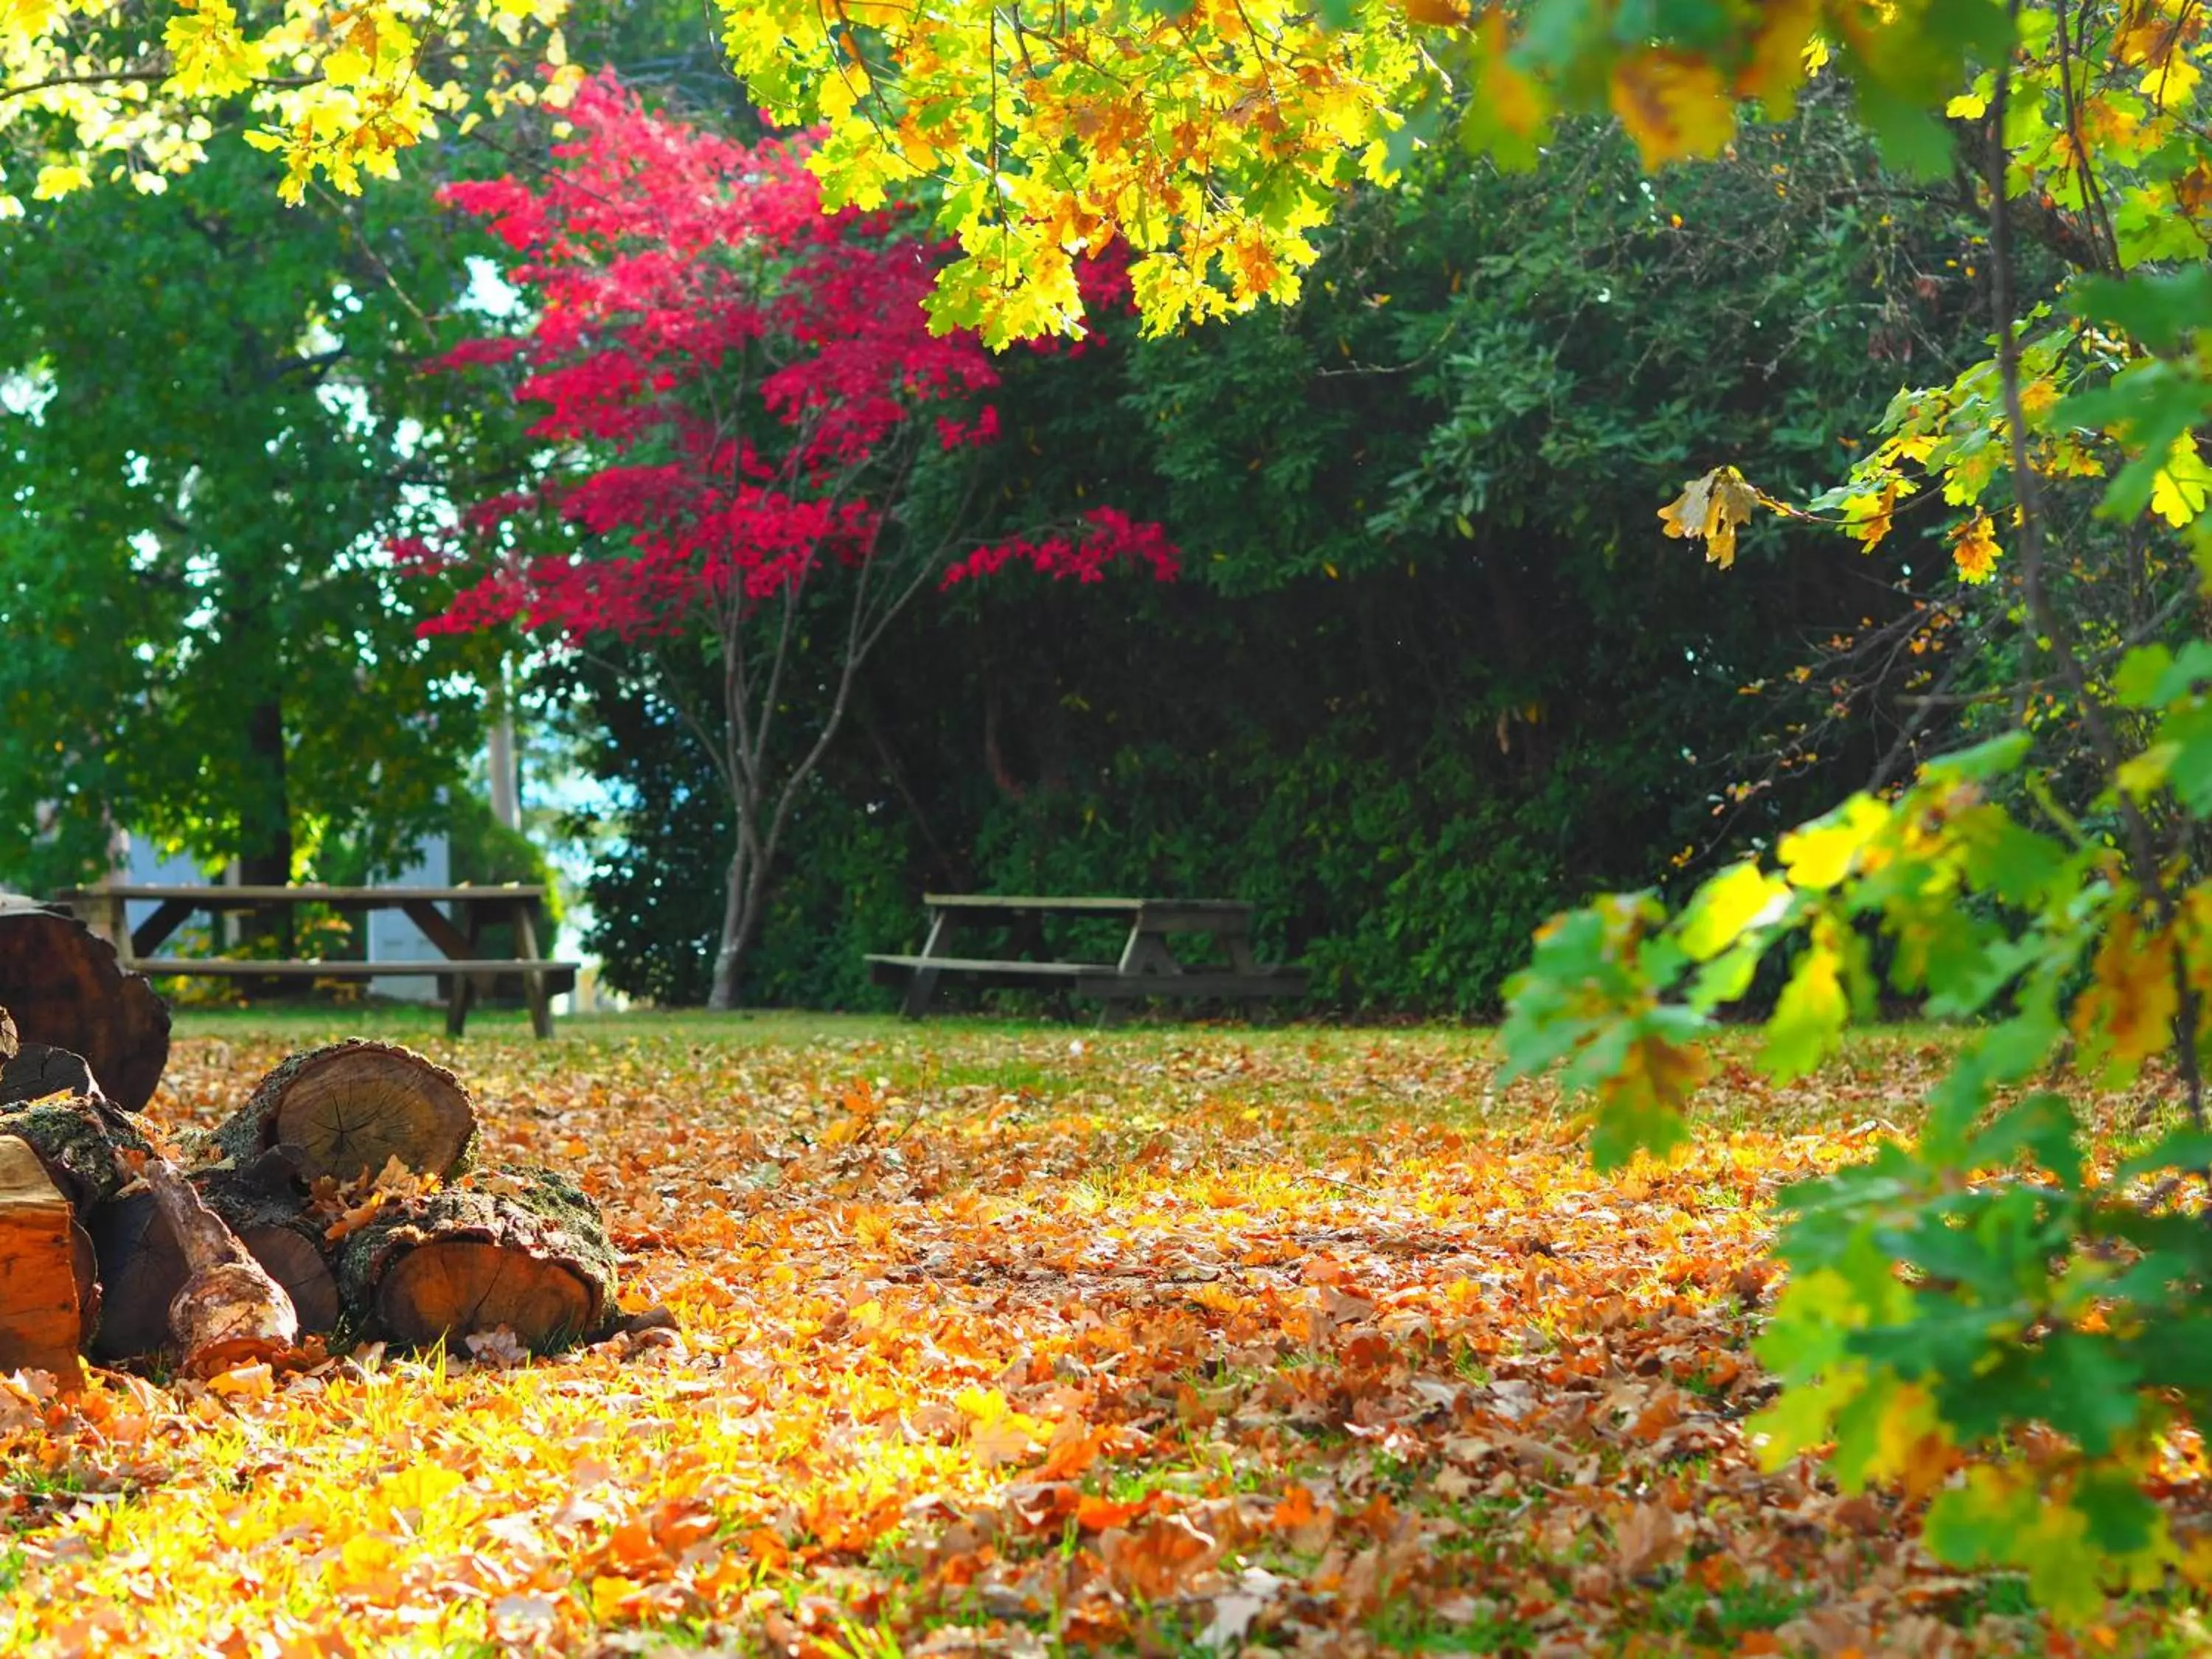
(266, 826)
(741, 897)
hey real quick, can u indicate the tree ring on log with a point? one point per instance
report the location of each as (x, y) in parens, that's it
(142, 1268)
(450, 1288)
(352, 1107)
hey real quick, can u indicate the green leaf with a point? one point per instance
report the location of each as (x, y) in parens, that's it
(1997, 1519)
(2150, 404)
(2152, 676)
(1808, 1019)
(1913, 140)
(2182, 1149)
(1996, 758)
(2158, 308)
(1622, 1128)
(2043, 1124)
(1727, 976)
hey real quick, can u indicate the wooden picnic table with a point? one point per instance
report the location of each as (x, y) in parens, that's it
(1148, 965)
(104, 908)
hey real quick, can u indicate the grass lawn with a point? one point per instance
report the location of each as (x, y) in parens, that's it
(1015, 1338)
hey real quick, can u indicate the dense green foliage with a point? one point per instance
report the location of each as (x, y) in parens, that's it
(1432, 668)
(1995, 1313)
(204, 441)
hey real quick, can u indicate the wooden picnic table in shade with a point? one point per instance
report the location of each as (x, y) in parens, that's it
(1148, 966)
(104, 910)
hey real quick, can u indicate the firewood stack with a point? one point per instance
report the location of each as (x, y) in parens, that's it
(339, 1203)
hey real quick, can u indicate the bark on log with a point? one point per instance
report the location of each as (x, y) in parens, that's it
(10, 1039)
(352, 1106)
(48, 1289)
(63, 986)
(525, 1250)
(77, 1142)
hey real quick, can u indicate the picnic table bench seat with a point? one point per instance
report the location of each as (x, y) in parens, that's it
(465, 974)
(1148, 966)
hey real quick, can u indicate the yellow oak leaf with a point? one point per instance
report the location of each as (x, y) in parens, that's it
(1974, 549)
(1871, 518)
(211, 59)
(2180, 491)
(1820, 855)
(1709, 509)
(56, 182)
(2126, 1013)
(1780, 56)
(1674, 105)
(28, 18)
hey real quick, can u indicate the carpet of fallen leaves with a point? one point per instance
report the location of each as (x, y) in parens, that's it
(1023, 1341)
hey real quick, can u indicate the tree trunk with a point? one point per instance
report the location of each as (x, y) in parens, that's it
(265, 830)
(346, 1110)
(524, 1251)
(742, 888)
(65, 989)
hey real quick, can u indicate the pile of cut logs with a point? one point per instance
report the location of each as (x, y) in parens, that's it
(338, 1203)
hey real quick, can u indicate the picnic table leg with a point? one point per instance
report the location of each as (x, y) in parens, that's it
(534, 979)
(1146, 955)
(922, 988)
(147, 939)
(456, 1004)
(116, 925)
(1238, 945)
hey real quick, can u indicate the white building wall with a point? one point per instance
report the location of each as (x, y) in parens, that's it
(393, 938)
(145, 866)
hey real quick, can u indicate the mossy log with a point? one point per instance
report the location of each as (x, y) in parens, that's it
(64, 985)
(524, 1250)
(49, 1285)
(352, 1107)
(78, 1143)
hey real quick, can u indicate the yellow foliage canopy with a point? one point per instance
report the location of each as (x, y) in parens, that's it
(102, 91)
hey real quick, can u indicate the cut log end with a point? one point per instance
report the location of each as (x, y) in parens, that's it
(299, 1268)
(452, 1288)
(349, 1108)
(64, 985)
(141, 1267)
(40, 1071)
(46, 1306)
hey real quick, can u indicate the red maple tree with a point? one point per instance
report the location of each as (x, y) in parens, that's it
(736, 394)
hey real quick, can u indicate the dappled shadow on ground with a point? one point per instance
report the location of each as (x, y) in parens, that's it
(993, 1342)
